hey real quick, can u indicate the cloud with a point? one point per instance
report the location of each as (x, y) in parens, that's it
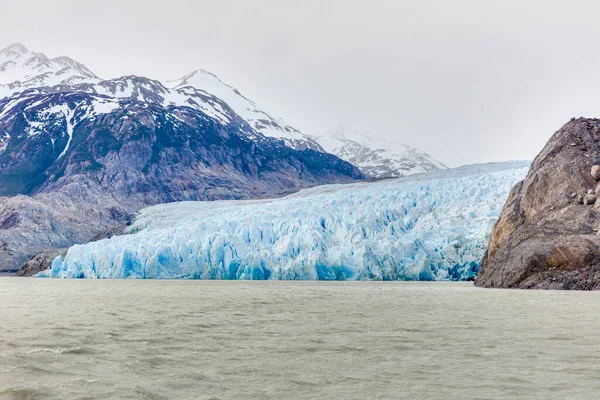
(467, 81)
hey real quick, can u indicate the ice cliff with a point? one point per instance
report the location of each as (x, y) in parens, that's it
(432, 226)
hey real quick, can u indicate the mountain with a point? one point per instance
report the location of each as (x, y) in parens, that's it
(416, 228)
(147, 150)
(21, 69)
(376, 157)
(82, 155)
(259, 119)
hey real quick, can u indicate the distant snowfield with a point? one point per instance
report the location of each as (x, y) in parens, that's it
(432, 226)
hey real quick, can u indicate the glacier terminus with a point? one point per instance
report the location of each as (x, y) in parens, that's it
(427, 227)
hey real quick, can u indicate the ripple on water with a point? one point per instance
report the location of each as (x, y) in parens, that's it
(37, 369)
(24, 393)
(293, 340)
(144, 393)
(78, 350)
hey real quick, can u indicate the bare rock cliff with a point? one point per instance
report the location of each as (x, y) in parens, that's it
(547, 235)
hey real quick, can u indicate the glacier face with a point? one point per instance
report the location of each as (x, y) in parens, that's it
(426, 227)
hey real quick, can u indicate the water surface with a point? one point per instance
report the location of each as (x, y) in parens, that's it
(294, 340)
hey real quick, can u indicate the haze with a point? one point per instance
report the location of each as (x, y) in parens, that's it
(467, 81)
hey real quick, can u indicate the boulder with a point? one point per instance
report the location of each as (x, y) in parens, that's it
(543, 239)
(589, 200)
(596, 172)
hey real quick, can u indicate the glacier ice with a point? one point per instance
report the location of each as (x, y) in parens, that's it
(431, 226)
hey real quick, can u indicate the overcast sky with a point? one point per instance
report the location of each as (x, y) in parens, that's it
(465, 80)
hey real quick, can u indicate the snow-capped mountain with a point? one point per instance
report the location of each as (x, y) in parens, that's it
(53, 101)
(259, 119)
(173, 152)
(133, 140)
(417, 228)
(89, 149)
(21, 69)
(376, 157)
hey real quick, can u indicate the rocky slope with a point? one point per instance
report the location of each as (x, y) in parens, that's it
(147, 151)
(32, 225)
(82, 155)
(376, 157)
(547, 235)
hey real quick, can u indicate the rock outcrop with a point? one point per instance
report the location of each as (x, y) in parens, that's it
(40, 262)
(547, 235)
(33, 225)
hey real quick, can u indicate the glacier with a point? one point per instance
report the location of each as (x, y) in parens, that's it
(431, 226)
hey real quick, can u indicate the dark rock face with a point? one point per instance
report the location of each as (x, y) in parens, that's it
(546, 238)
(40, 262)
(150, 153)
(76, 171)
(32, 225)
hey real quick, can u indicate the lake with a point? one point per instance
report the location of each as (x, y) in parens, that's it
(294, 340)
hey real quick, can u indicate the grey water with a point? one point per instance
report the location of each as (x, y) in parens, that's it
(294, 340)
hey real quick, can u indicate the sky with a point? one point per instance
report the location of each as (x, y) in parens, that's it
(467, 81)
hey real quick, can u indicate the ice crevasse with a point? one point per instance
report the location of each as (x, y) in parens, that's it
(431, 226)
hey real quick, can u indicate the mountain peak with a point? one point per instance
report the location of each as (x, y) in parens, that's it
(16, 47)
(200, 71)
(338, 132)
(21, 69)
(198, 78)
(207, 82)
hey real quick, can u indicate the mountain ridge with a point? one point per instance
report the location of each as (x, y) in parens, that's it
(375, 156)
(36, 71)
